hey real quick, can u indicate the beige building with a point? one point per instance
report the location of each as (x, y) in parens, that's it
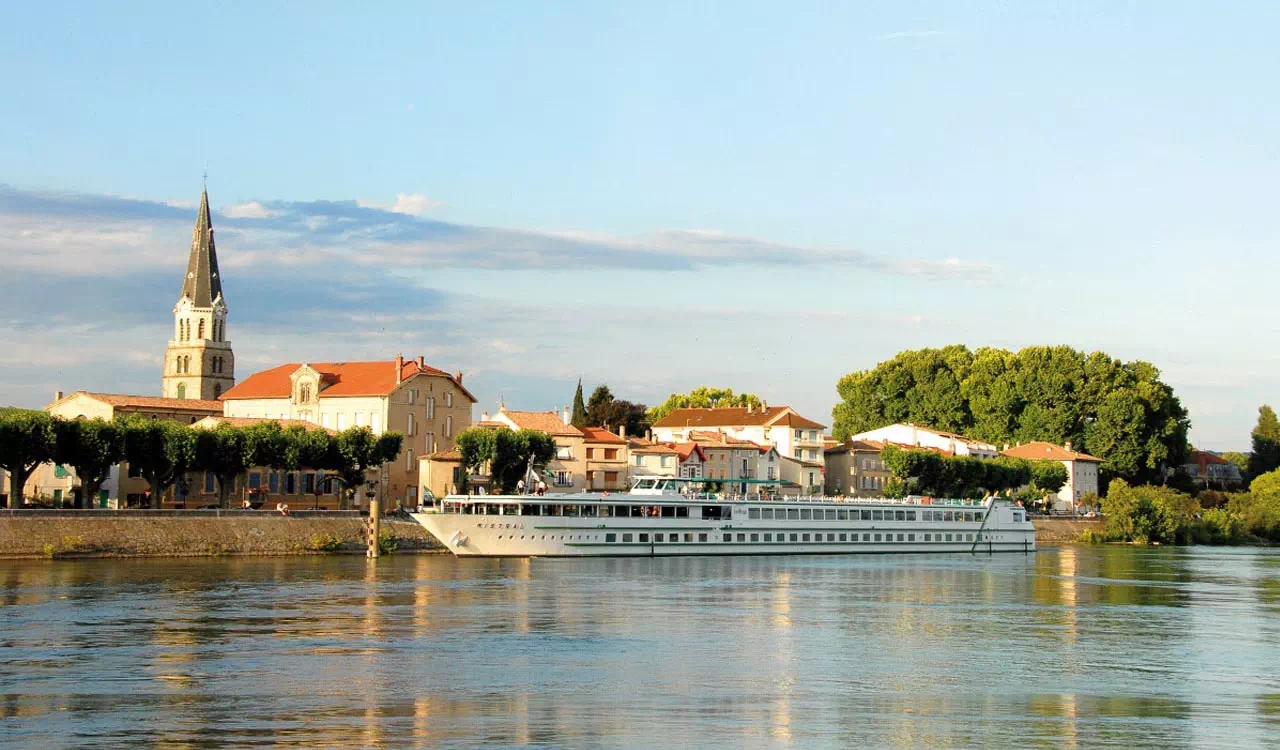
(1082, 469)
(587, 459)
(913, 436)
(855, 469)
(123, 487)
(428, 406)
(199, 364)
(779, 426)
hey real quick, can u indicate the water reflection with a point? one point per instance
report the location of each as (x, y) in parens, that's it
(1075, 646)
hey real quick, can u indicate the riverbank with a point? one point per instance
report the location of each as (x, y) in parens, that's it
(29, 534)
(105, 533)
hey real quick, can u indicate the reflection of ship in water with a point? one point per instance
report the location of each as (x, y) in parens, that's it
(665, 517)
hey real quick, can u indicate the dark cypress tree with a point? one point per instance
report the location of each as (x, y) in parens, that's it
(579, 408)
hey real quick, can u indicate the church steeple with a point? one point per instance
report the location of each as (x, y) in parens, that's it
(199, 362)
(202, 284)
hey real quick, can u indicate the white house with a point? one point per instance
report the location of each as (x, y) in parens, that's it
(1082, 469)
(923, 437)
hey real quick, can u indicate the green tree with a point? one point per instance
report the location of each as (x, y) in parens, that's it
(1150, 514)
(702, 397)
(506, 454)
(356, 452)
(603, 410)
(476, 446)
(27, 439)
(1266, 443)
(1048, 476)
(160, 450)
(1241, 460)
(1119, 411)
(223, 452)
(91, 447)
(579, 418)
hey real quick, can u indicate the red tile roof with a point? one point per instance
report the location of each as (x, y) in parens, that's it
(738, 416)
(154, 402)
(341, 379)
(600, 435)
(857, 445)
(1048, 452)
(544, 421)
(688, 449)
(449, 455)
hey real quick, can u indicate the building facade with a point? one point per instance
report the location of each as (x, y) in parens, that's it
(913, 436)
(779, 426)
(199, 363)
(427, 405)
(1082, 469)
(855, 469)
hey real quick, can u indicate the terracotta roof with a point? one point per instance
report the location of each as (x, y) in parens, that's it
(688, 449)
(600, 435)
(341, 379)
(735, 417)
(648, 447)
(857, 445)
(154, 402)
(1048, 452)
(213, 421)
(720, 440)
(544, 421)
(490, 424)
(450, 455)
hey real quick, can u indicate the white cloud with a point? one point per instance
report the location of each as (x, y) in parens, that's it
(409, 204)
(247, 210)
(919, 34)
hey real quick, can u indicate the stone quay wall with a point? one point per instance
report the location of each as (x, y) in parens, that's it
(1052, 531)
(160, 533)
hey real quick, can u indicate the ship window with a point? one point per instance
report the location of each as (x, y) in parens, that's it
(842, 515)
(572, 511)
(831, 537)
(948, 537)
(589, 511)
(900, 539)
(948, 516)
(804, 537)
(911, 537)
(644, 537)
(753, 513)
(687, 537)
(656, 538)
(727, 538)
(626, 537)
(866, 515)
(878, 537)
(682, 511)
(831, 515)
(668, 511)
(877, 515)
(899, 515)
(766, 513)
(911, 515)
(968, 537)
(844, 537)
(768, 537)
(806, 514)
(702, 537)
(794, 537)
(867, 537)
(793, 514)
(645, 484)
(928, 537)
(605, 511)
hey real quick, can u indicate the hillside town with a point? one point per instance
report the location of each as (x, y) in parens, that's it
(750, 451)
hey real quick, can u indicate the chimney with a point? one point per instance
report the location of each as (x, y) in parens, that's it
(484, 416)
(622, 431)
(648, 435)
(1068, 445)
(459, 377)
(751, 408)
(564, 415)
(399, 368)
(57, 395)
(422, 362)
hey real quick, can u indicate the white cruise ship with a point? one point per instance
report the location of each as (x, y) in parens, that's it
(665, 516)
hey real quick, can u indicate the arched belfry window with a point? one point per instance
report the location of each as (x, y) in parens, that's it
(182, 390)
(200, 330)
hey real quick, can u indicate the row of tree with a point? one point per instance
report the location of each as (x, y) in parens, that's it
(604, 410)
(1150, 514)
(926, 472)
(505, 454)
(164, 452)
(1119, 411)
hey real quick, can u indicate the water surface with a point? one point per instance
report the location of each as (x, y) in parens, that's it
(1092, 647)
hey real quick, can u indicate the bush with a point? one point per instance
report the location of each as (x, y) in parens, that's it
(324, 543)
(387, 543)
(1089, 536)
(1219, 526)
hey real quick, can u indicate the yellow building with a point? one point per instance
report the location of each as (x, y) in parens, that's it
(590, 458)
(854, 469)
(427, 405)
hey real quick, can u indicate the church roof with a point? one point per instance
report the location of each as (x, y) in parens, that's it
(202, 284)
(338, 379)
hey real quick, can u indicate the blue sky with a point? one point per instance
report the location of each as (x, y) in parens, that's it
(651, 195)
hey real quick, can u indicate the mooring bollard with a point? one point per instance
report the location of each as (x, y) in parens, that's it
(374, 526)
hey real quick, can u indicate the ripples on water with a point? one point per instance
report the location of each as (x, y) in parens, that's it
(1075, 646)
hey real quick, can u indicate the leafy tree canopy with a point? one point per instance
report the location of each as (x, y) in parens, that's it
(1266, 443)
(1119, 411)
(579, 418)
(507, 453)
(27, 439)
(702, 397)
(603, 410)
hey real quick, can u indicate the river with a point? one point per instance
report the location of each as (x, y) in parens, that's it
(1077, 646)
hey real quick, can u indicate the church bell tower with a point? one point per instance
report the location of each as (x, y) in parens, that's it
(198, 363)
